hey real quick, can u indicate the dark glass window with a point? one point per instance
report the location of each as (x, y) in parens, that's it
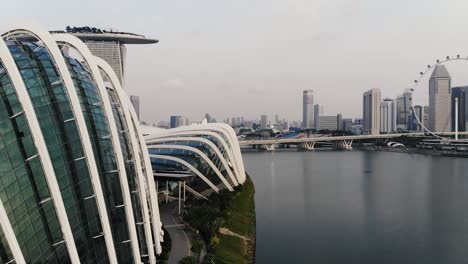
(56, 118)
(23, 188)
(130, 168)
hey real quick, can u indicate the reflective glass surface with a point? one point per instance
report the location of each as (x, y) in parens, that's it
(130, 168)
(100, 135)
(23, 188)
(56, 118)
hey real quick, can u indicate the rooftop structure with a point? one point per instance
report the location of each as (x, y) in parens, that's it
(208, 152)
(109, 45)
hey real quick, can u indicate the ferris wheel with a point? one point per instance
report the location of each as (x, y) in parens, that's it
(417, 82)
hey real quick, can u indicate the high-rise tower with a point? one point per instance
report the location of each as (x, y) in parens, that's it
(308, 109)
(387, 116)
(371, 112)
(462, 94)
(439, 100)
(318, 111)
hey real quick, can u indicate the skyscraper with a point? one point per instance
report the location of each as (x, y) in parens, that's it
(418, 113)
(404, 103)
(208, 118)
(439, 100)
(308, 109)
(263, 121)
(462, 94)
(371, 112)
(339, 122)
(108, 45)
(135, 100)
(318, 111)
(175, 121)
(328, 122)
(387, 116)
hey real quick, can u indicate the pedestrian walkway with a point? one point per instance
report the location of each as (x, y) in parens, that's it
(180, 240)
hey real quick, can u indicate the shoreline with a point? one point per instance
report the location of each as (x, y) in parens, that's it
(441, 153)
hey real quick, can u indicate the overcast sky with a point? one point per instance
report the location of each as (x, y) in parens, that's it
(253, 57)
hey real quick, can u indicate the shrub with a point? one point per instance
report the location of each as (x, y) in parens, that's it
(188, 260)
(197, 244)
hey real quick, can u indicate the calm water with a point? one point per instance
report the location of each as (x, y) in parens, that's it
(360, 207)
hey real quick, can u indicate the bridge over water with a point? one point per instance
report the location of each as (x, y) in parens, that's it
(340, 142)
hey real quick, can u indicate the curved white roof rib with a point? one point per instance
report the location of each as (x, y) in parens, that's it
(9, 64)
(200, 140)
(188, 166)
(49, 44)
(130, 115)
(201, 154)
(231, 138)
(196, 134)
(80, 47)
(219, 131)
(55, 49)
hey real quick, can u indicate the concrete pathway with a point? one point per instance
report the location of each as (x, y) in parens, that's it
(180, 240)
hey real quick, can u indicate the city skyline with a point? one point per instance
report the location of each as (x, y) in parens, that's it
(209, 67)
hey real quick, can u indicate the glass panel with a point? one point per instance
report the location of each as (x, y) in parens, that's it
(56, 118)
(100, 135)
(23, 187)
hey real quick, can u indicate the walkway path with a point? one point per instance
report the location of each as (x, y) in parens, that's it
(226, 231)
(180, 240)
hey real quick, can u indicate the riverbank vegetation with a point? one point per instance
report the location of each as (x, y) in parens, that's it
(226, 222)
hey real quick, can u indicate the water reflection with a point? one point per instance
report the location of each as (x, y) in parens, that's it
(360, 207)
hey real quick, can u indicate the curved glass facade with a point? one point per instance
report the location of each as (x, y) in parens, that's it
(130, 168)
(100, 135)
(23, 187)
(216, 162)
(57, 120)
(48, 180)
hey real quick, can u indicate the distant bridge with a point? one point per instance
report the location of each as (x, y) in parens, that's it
(341, 142)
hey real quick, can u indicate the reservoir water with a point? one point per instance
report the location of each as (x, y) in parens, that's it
(359, 207)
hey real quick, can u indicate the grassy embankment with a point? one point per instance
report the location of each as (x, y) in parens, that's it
(227, 224)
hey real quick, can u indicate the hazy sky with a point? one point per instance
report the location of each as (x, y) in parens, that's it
(253, 57)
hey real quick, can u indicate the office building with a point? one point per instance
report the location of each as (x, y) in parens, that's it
(263, 121)
(462, 94)
(387, 116)
(175, 121)
(403, 105)
(308, 109)
(77, 186)
(328, 122)
(347, 124)
(339, 122)
(318, 110)
(371, 112)
(209, 118)
(439, 100)
(358, 126)
(419, 118)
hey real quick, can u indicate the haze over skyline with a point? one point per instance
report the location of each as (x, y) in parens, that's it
(247, 58)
